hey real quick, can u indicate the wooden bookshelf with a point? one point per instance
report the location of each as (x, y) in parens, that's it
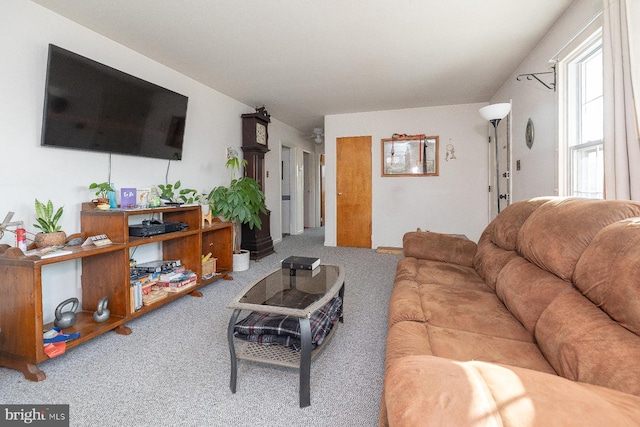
(105, 272)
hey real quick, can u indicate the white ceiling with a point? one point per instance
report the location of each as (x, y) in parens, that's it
(306, 59)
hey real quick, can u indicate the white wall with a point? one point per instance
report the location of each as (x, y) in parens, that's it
(530, 99)
(30, 171)
(454, 202)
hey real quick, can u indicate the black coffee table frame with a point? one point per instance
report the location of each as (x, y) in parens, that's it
(277, 354)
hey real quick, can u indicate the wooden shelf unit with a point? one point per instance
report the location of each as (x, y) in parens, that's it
(105, 272)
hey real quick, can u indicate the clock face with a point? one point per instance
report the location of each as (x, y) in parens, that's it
(261, 134)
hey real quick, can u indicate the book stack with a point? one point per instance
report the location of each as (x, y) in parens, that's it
(153, 281)
(178, 281)
(301, 263)
(155, 294)
(142, 284)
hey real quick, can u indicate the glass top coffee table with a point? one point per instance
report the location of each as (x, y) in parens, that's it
(301, 294)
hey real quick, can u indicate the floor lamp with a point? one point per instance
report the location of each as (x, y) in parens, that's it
(493, 114)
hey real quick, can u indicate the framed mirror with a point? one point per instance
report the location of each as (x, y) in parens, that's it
(410, 155)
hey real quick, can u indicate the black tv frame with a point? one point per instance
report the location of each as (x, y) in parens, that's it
(94, 107)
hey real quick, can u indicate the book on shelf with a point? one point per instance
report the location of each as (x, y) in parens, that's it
(136, 297)
(301, 263)
(48, 252)
(182, 281)
(154, 296)
(171, 275)
(128, 198)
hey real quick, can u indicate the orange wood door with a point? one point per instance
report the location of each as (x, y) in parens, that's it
(353, 186)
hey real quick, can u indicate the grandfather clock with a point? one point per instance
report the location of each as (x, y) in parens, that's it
(255, 143)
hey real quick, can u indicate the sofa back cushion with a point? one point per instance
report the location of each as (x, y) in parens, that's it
(498, 241)
(582, 343)
(507, 225)
(526, 290)
(608, 273)
(556, 234)
(490, 259)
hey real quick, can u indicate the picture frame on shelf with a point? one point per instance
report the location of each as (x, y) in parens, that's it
(128, 198)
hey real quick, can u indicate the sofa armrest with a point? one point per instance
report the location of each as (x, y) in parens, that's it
(439, 247)
(429, 390)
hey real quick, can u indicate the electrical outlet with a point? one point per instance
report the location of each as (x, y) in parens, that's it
(517, 165)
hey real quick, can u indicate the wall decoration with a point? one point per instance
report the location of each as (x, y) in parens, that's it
(450, 153)
(410, 155)
(529, 133)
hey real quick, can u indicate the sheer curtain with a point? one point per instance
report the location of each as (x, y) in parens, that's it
(621, 78)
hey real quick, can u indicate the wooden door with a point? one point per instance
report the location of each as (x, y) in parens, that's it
(353, 191)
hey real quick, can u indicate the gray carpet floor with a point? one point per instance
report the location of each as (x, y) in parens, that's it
(174, 368)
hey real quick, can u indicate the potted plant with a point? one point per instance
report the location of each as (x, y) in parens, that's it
(47, 222)
(240, 203)
(185, 195)
(167, 191)
(102, 192)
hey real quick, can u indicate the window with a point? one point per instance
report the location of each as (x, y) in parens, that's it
(583, 111)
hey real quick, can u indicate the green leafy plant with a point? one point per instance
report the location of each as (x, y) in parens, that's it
(189, 196)
(102, 188)
(185, 195)
(241, 202)
(167, 191)
(46, 218)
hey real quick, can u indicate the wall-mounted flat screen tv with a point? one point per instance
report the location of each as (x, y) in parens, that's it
(91, 106)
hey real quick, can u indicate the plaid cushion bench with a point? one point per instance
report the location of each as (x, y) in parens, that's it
(265, 328)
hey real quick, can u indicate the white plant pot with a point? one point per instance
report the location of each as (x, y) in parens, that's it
(241, 261)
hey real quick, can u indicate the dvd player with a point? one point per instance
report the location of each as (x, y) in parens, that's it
(155, 227)
(175, 226)
(146, 230)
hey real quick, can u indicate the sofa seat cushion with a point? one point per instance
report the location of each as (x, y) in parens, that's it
(429, 271)
(584, 344)
(464, 346)
(433, 391)
(469, 310)
(405, 304)
(416, 338)
(407, 339)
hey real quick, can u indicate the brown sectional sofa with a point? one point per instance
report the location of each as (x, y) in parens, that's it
(537, 324)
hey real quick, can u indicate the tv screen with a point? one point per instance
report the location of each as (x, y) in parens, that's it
(90, 106)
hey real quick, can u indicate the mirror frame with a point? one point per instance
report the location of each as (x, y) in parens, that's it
(423, 151)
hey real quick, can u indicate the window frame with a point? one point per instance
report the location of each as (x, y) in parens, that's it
(569, 60)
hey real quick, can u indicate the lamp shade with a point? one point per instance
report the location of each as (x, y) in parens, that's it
(495, 111)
